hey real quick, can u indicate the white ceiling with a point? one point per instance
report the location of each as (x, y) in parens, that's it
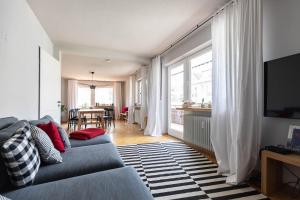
(76, 67)
(140, 28)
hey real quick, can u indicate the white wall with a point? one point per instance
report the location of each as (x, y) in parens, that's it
(194, 42)
(64, 91)
(20, 36)
(281, 37)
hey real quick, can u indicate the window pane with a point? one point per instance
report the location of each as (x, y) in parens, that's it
(177, 97)
(201, 78)
(104, 95)
(177, 94)
(138, 94)
(84, 97)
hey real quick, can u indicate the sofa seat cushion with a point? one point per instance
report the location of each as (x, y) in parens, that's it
(79, 161)
(102, 139)
(116, 184)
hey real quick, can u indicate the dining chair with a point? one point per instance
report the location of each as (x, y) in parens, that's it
(124, 113)
(73, 119)
(109, 116)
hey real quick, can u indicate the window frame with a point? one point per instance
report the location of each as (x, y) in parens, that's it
(99, 87)
(90, 103)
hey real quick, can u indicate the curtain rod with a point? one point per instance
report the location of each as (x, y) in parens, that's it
(195, 28)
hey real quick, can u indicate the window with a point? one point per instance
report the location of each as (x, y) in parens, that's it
(104, 95)
(84, 96)
(176, 77)
(201, 78)
(138, 94)
(177, 85)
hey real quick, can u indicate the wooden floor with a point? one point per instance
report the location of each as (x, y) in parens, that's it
(125, 133)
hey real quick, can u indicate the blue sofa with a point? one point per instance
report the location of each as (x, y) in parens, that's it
(90, 169)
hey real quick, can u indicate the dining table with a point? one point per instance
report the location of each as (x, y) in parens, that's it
(92, 111)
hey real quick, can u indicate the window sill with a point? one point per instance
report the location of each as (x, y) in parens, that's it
(195, 109)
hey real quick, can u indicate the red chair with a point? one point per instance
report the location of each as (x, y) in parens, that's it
(124, 113)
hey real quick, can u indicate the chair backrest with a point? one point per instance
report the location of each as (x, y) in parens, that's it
(110, 111)
(124, 109)
(73, 113)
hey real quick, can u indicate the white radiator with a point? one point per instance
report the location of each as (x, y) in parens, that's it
(197, 130)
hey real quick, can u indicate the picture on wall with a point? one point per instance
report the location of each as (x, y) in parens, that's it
(293, 141)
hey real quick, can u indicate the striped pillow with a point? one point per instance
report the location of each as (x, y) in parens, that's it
(48, 153)
(3, 198)
(21, 157)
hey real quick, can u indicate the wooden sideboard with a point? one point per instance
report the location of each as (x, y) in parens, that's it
(271, 170)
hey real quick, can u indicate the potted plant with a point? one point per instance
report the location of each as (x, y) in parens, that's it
(64, 113)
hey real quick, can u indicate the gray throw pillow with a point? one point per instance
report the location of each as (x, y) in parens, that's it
(7, 121)
(6, 133)
(47, 151)
(62, 132)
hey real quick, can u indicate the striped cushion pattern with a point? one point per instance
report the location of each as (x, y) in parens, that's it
(3, 198)
(47, 151)
(21, 157)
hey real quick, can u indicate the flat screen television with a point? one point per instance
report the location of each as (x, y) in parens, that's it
(282, 87)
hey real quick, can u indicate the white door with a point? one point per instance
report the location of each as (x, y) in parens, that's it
(176, 97)
(50, 86)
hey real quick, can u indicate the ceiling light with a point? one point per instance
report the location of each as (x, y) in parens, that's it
(92, 86)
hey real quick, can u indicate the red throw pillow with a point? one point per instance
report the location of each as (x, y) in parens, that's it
(52, 132)
(86, 134)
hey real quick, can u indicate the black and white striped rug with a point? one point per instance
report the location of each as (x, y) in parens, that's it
(173, 170)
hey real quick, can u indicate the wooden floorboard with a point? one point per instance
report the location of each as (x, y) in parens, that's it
(124, 134)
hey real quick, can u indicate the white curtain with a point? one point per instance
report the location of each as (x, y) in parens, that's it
(131, 85)
(72, 94)
(93, 101)
(144, 100)
(154, 126)
(117, 99)
(237, 88)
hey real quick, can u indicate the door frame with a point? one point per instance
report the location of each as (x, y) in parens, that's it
(39, 85)
(171, 131)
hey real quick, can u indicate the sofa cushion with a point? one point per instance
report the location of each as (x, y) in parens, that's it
(79, 161)
(102, 139)
(117, 184)
(87, 134)
(3, 198)
(6, 133)
(63, 134)
(47, 151)
(54, 135)
(21, 157)
(7, 121)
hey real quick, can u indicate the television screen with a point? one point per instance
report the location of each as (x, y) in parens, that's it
(282, 87)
